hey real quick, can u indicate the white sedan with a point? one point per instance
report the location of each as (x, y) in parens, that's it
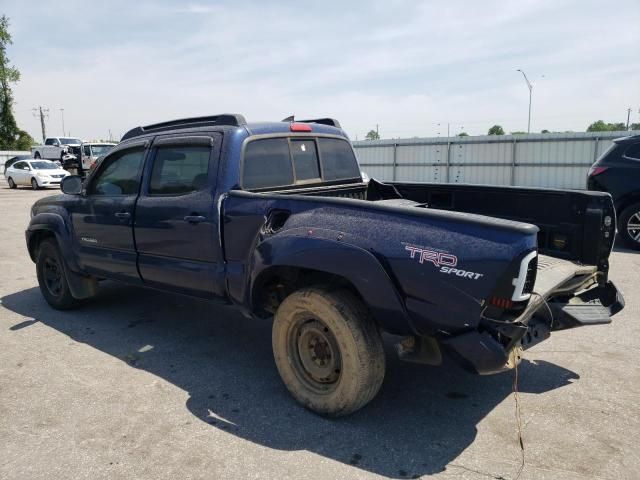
(36, 173)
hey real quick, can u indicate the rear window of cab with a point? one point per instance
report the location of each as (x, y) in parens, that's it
(287, 161)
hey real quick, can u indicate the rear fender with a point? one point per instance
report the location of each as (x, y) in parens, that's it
(332, 256)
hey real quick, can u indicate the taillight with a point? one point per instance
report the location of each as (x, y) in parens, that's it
(501, 302)
(300, 127)
(593, 171)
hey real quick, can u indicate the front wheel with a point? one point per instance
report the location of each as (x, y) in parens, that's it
(328, 350)
(629, 226)
(52, 277)
(34, 184)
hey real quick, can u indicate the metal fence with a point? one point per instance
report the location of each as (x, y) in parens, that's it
(7, 154)
(554, 160)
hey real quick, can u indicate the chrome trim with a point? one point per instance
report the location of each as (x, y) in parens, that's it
(521, 279)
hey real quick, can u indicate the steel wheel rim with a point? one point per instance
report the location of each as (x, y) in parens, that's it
(316, 358)
(633, 227)
(52, 275)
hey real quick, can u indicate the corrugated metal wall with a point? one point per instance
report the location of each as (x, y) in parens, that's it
(6, 154)
(555, 160)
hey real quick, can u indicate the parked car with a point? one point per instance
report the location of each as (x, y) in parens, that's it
(36, 173)
(275, 219)
(617, 172)
(12, 160)
(63, 149)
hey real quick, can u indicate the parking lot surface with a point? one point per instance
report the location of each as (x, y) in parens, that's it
(141, 384)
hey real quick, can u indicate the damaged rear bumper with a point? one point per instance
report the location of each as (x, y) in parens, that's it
(497, 345)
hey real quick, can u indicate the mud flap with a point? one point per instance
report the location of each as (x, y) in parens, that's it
(81, 286)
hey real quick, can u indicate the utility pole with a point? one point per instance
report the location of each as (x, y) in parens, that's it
(62, 113)
(530, 94)
(377, 133)
(42, 112)
(628, 116)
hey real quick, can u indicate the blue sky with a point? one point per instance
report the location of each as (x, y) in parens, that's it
(405, 65)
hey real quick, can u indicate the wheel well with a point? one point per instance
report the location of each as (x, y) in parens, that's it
(627, 201)
(36, 239)
(277, 283)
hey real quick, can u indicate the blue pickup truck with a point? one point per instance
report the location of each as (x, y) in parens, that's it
(275, 218)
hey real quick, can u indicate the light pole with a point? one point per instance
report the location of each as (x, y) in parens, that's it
(62, 112)
(530, 93)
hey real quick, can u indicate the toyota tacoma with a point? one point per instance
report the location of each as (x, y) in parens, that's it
(275, 219)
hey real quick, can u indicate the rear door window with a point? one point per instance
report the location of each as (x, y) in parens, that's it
(267, 163)
(179, 170)
(633, 152)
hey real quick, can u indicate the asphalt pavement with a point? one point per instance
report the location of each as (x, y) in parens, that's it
(141, 384)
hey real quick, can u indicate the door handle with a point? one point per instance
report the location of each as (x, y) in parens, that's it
(194, 218)
(123, 215)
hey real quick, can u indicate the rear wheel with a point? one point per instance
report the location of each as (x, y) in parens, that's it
(328, 350)
(52, 277)
(629, 226)
(11, 183)
(34, 184)
(36, 155)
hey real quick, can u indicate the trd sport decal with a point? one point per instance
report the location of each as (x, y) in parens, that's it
(446, 262)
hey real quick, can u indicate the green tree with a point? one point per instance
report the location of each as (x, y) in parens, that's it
(496, 130)
(601, 126)
(372, 135)
(545, 131)
(519, 132)
(9, 132)
(635, 126)
(24, 141)
(463, 134)
(597, 126)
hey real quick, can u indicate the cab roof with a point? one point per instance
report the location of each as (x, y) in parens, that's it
(319, 125)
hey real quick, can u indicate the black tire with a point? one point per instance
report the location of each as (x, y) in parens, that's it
(11, 183)
(36, 155)
(52, 276)
(34, 184)
(630, 217)
(328, 350)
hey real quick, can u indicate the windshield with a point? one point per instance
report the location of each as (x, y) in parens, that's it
(43, 165)
(70, 141)
(99, 150)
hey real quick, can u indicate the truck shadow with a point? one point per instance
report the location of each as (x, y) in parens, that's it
(422, 419)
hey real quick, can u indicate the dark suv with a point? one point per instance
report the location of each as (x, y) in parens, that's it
(617, 171)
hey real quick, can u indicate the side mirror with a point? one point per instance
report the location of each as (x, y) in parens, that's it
(71, 185)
